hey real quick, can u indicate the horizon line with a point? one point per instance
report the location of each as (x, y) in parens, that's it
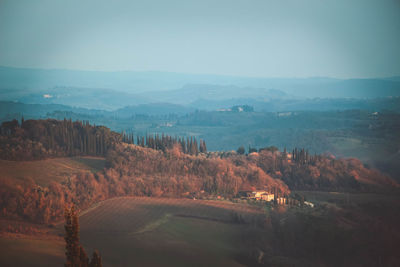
(199, 74)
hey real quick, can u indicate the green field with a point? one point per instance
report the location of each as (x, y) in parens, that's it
(45, 171)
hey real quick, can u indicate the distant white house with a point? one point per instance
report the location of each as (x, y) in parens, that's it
(284, 114)
(309, 204)
(261, 195)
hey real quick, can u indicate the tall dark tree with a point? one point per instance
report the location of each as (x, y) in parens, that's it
(241, 150)
(73, 249)
(96, 260)
(203, 147)
(75, 253)
(194, 147)
(83, 258)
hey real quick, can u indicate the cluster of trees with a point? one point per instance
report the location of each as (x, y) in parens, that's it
(302, 156)
(133, 171)
(163, 142)
(320, 172)
(241, 150)
(175, 173)
(75, 253)
(303, 171)
(38, 139)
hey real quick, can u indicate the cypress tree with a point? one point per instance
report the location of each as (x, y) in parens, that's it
(71, 238)
(96, 260)
(142, 142)
(83, 258)
(75, 253)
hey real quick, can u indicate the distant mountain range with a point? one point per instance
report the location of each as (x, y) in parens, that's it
(154, 109)
(191, 93)
(114, 90)
(10, 110)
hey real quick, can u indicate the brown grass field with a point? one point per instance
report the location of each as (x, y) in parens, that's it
(133, 231)
(31, 252)
(45, 171)
(169, 232)
(140, 231)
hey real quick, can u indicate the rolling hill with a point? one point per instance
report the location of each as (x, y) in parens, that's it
(112, 90)
(57, 169)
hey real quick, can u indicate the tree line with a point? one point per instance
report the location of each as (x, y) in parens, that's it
(38, 139)
(190, 145)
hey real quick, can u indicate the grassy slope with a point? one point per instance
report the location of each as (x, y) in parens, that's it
(168, 232)
(31, 252)
(17, 250)
(133, 231)
(45, 171)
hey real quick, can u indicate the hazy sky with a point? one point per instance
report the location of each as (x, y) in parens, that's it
(268, 38)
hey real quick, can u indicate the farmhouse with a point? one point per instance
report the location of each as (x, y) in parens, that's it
(258, 195)
(268, 197)
(263, 195)
(309, 204)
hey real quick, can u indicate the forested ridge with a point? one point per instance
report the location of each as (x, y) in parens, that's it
(159, 166)
(40, 139)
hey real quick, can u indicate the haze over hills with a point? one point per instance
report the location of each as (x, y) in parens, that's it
(113, 90)
(311, 112)
(210, 92)
(10, 109)
(17, 109)
(153, 109)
